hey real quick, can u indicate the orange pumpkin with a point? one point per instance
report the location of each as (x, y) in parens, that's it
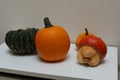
(81, 36)
(52, 42)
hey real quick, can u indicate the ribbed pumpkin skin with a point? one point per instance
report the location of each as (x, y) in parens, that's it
(52, 43)
(21, 42)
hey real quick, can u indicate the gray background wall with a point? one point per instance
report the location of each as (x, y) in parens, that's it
(101, 17)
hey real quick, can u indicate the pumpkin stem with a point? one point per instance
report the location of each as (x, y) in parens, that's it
(47, 22)
(86, 31)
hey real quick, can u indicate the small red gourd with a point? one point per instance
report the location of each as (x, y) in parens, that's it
(81, 36)
(91, 50)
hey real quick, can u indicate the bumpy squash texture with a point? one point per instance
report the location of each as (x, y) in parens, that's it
(21, 42)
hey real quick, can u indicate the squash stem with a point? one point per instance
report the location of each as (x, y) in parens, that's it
(86, 31)
(47, 22)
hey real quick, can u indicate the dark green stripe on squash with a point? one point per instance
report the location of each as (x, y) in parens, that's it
(21, 42)
(8, 36)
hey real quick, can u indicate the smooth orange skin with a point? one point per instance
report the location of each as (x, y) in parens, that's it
(52, 43)
(80, 37)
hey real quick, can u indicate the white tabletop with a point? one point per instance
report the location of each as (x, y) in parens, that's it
(69, 69)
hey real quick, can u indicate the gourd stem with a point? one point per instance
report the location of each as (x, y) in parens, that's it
(86, 60)
(47, 22)
(86, 31)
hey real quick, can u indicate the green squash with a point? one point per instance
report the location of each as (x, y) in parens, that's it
(21, 42)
